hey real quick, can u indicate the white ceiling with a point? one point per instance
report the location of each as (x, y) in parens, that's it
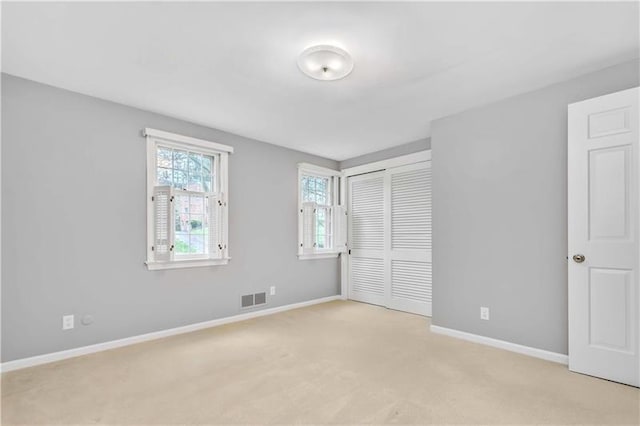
(233, 65)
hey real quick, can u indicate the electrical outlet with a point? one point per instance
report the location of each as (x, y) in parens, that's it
(484, 313)
(272, 290)
(67, 322)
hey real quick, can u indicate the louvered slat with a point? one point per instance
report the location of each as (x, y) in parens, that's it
(367, 214)
(308, 227)
(411, 280)
(162, 216)
(367, 275)
(411, 210)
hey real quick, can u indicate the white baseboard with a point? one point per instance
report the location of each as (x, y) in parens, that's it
(501, 344)
(71, 353)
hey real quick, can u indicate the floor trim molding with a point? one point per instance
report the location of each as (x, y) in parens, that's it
(502, 344)
(98, 347)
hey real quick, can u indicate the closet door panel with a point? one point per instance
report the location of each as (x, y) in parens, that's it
(367, 238)
(410, 239)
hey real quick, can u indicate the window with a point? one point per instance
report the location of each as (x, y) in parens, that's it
(321, 218)
(187, 201)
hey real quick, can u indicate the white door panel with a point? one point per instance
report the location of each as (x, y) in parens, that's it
(603, 191)
(410, 238)
(367, 267)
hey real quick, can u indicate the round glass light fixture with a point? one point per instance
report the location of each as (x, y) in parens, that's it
(325, 62)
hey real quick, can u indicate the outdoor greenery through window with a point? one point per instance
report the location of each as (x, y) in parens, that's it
(192, 173)
(317, 189)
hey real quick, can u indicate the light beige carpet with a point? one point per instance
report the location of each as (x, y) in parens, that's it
(339, 362)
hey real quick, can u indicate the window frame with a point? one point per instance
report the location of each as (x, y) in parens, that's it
(220, 153)
(311, 170)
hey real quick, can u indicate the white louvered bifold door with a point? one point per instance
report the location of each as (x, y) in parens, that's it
(410, 240)
(367, 238)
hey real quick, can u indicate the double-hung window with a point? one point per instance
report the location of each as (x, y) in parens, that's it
(321, 218)
(187, 191)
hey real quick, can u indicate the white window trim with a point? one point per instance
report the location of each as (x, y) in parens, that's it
(158, 137)
(314, 170)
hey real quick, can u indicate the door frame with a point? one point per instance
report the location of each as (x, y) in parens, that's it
(403, 160)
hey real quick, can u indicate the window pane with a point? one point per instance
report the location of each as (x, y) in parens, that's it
(181, 208)
(164, 176)
(196, 204)
(197, 244)
(180, 160)
(181, 245)
(208, 183)
(179, 179)
(321, 195)
(195, 182)
(195, 222)
(207, 164)
(164, 157)
(304, 185)
(312, 189)
(195, 163)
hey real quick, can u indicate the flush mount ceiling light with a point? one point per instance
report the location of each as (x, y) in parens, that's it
(325, 62)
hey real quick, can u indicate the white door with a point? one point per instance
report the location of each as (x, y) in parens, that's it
(390, 238)
(367, 239)
(409, 245)
(604, 255)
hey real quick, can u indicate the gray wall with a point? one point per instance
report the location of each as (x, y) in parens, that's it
(74, 235)
(396, 151)
(500, 212)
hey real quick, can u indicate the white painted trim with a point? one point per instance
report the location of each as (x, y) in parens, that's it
(402, 160)
(191, 263)
(221, 165)
(311, 256)
(99, 347)
(502, 344)
(323, 171)
(160, 134)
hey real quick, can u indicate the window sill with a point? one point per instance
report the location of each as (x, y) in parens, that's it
(192, 263)
(310, 256)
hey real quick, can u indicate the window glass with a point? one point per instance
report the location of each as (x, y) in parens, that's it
(185, 170)
(189, 224)
(316, 190)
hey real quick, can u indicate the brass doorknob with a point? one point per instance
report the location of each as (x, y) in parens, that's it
(578, 258)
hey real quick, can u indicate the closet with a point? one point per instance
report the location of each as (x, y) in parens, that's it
(389, 225)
